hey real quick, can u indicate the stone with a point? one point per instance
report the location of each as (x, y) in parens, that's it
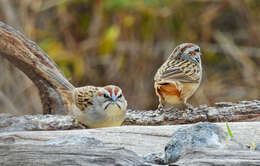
(200, 135)
(155, 158)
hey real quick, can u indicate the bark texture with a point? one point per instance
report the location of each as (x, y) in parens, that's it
(220, 112)
(247, 111)
(39, 67)
(209, 156)
(140, 139)
(56, 155)
(104, 146)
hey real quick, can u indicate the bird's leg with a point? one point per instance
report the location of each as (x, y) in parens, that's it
(160, 107)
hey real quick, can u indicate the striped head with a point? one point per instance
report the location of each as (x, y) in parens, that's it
(111, 96)
(187, 51)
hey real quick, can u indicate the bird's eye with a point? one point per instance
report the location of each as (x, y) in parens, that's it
(106, 96)
(120, 96)
(197, 50)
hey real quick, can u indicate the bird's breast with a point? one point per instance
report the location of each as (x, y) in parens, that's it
(114, 112)
(96, 117)
(113, 116)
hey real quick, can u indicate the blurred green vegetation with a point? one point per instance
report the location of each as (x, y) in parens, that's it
(123, 42)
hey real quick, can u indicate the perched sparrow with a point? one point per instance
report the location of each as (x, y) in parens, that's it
(179, 77)
(99, 106)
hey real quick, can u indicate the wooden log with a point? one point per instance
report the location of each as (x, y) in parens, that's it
(140, 139)
(221, 112)
(28, 145)
(43, 155)
(39, 67)
(241, 111)
(208, 156)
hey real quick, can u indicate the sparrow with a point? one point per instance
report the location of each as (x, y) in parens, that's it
(179, 76)
(97, 107)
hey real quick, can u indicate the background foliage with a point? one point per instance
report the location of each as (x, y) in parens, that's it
(123, 42)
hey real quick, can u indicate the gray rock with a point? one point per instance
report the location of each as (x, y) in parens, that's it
(187, 138)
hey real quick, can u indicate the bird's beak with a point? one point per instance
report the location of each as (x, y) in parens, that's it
(114, 98)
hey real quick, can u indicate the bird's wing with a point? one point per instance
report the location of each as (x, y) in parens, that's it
(178, 70)
(84, 96)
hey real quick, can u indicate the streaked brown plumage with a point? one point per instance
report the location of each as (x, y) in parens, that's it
(180, 76)
(84, 96)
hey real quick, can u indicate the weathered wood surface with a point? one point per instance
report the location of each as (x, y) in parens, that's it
(42, 147)
(36, 122)
(52, 155)
(38, 66)
(140, 139)
(220, 112)
(241, 111)
(231, 112)
(207, 157)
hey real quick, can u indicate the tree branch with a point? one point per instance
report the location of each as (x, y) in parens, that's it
(221, 112)
(54, 88)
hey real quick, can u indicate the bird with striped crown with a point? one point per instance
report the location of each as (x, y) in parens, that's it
(179, 76)
(98, 107)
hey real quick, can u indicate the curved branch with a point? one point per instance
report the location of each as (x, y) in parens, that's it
(54, 88)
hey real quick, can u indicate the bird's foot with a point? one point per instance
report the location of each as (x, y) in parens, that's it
(160, 108)
(189, 106)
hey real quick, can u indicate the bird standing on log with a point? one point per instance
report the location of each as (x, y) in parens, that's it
(99, 106)
(179, 77)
